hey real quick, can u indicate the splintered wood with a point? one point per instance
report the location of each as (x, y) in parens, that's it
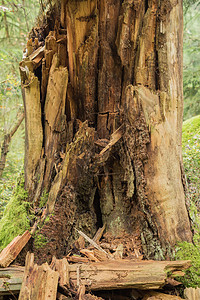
(115, 137)
(62, 267)
(39, 282)
(9, 253)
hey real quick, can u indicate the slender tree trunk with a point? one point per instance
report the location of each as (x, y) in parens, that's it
(108, 65)
(25, 14)
(5, 22)
(6, 142)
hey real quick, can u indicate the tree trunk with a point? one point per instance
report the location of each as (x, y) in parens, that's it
(5, 22)
(103, 122)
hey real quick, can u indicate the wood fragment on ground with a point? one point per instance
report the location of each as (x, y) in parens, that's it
(94, 244)
(101, 256)
(192, 293)
(39, 282)
(9, 253)
(99, 234)
(62, 267)
(151, 295)
(89, 254)
(77, 259)
(173, 282)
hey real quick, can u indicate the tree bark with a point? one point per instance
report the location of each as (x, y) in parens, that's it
(108, 65)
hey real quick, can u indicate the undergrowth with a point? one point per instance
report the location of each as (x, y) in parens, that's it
(187, 251)
(191, 160)
(16, 218)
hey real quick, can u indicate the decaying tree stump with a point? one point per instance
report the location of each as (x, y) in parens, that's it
(103, 109)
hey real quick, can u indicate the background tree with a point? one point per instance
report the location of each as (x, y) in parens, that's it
(12, 22)
(191, 82)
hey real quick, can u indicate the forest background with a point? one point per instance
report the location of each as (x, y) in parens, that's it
(16, 20)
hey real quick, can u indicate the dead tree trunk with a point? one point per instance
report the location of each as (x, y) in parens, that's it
(103, 104)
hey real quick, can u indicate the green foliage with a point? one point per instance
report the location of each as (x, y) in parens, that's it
(43, 199)
(188, 3)
(191, 159)
(191, 59)
(20, 17)
(16, 218)
(39, 240)
(187, 251)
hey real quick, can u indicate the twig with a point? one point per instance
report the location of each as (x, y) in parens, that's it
(99, 234)
(92, 242)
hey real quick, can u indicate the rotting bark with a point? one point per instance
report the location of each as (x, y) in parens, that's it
(107, 66)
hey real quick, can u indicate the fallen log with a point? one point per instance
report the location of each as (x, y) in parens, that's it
(11, 280)
(124, 274)
(9, 253)
(107, 275)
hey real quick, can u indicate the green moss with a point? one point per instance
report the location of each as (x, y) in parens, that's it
(16, 217)
(191, 127)
(191, 149)
(43, 199)
(188, 251)
(39, 240)
(191, 161)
